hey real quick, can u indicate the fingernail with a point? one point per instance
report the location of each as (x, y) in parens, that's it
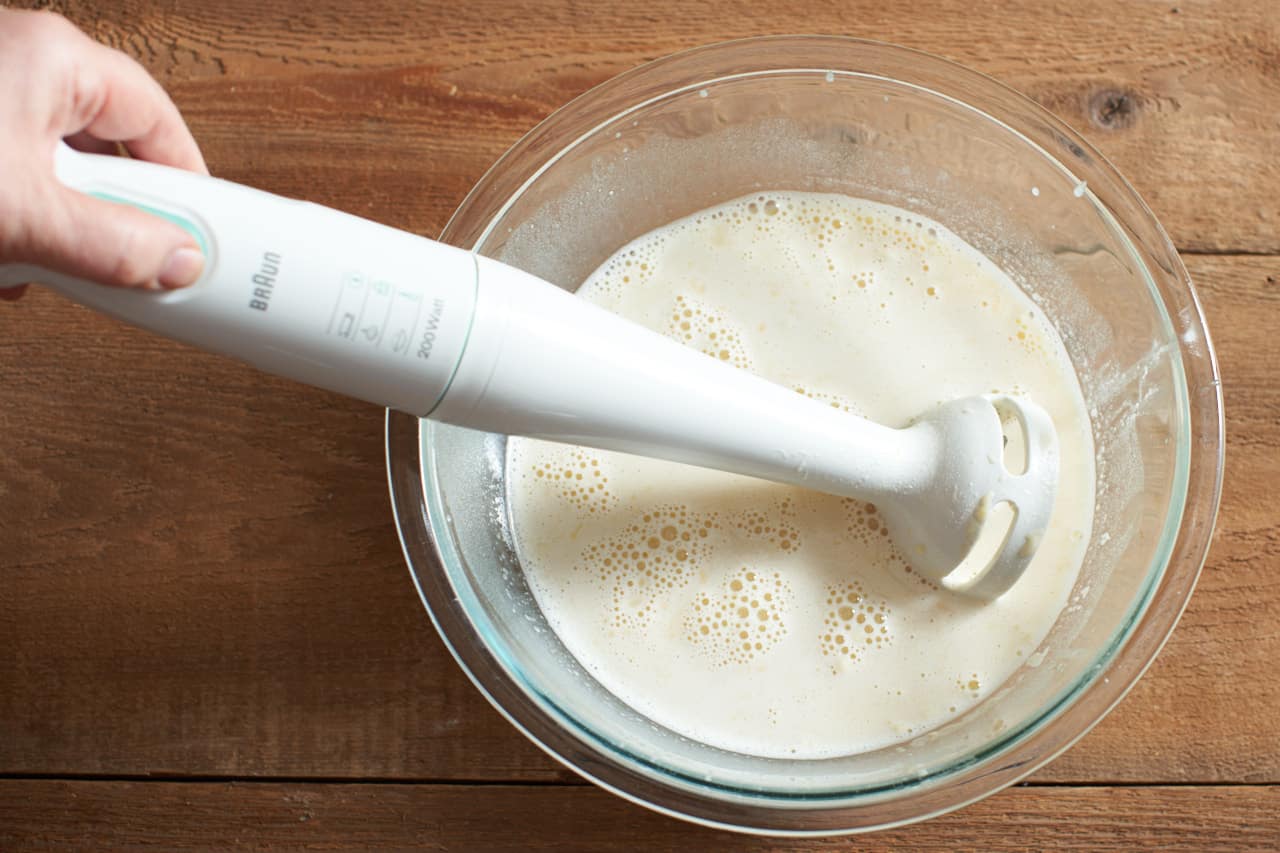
(181, 268)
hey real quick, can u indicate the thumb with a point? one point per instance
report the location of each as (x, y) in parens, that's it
(114, 243)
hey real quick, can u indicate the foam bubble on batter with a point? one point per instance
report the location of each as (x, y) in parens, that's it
(697, 325)
(578, 480)
(649, 558)
(741, 620)
(853, 624)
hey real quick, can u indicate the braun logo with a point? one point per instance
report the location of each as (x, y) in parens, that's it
(264, 281)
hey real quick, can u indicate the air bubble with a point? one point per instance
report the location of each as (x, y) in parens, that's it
(720, 637)
(846, 617)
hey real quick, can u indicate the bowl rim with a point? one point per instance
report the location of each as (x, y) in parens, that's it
(1151, 619)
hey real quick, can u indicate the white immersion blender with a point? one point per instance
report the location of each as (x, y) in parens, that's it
(368, 311)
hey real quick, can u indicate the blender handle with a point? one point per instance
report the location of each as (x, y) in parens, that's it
(342, 303)
(291, 287)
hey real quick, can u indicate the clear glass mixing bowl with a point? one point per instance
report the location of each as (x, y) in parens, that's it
(897, 126)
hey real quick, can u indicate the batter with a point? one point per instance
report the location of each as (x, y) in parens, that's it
(769, 619)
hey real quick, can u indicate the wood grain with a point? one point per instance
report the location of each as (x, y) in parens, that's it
(203, 816)
(394, 112)
(199, 575)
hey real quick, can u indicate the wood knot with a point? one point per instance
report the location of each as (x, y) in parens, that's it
(1113, 109)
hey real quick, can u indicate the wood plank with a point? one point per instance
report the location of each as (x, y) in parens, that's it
(199, 575)
(221, 816)
(394, 114)
(1209, 709)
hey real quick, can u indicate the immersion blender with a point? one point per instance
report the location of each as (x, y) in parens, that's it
(339, 302)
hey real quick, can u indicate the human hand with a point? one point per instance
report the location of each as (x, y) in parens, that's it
(56, 83)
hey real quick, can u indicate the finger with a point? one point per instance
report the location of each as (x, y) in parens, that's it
(121, 102)
(12, 294)
(113, 243)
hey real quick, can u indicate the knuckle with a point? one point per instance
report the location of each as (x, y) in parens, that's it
(38, 40)
(34, 28)
(47, 23)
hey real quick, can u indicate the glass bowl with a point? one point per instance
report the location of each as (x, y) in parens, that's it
(892, 125)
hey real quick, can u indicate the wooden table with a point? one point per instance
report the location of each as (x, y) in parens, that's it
(208, 638)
